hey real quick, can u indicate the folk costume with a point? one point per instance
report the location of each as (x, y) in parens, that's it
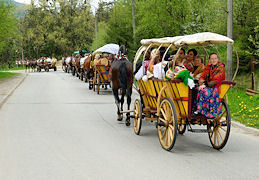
(189, 65)
(197, 71)
(182, 73)
(208, 102)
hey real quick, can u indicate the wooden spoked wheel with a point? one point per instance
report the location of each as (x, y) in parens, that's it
(137, 116)
(167, 124)
(181, 127)
(219, 128)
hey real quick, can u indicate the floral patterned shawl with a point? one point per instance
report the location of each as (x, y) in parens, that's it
(216, 73)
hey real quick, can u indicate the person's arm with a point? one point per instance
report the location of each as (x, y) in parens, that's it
(151, 64)
(204, 74)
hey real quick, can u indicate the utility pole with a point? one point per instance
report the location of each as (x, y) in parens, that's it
(96, 29)
(230, 35)
(96, 26)
(133, 22)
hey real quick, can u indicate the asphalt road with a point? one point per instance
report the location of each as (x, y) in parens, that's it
(54, 128)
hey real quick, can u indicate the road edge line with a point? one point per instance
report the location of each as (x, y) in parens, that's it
(12, 91)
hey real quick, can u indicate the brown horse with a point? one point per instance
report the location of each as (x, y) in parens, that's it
(63, 62)
(32, 64)
(122, 78)
(88, 71)
(77, 65)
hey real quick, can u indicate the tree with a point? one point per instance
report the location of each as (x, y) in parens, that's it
(7, 23)
(57, 27)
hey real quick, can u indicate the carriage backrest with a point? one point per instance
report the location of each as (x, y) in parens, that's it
(103, 72)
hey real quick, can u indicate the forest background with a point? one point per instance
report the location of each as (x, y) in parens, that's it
(59, 27)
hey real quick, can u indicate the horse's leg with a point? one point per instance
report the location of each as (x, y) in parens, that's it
(117, 102)
(128, 94)
(122, 99)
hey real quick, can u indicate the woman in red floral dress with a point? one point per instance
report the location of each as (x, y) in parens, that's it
(208, 102)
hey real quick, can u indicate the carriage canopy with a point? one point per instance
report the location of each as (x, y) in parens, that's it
(108, 48)
(197, 39)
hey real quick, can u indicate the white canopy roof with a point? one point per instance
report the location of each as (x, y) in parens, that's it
(203, 38)
(158, 41)
(108, 48)
(197, 39)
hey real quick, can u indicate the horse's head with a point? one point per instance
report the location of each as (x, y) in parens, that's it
(122, 50)
(122, 53)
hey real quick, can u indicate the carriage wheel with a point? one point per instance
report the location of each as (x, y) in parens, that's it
(219, 128)
(137, 116)
(181, 128)
(167, 124)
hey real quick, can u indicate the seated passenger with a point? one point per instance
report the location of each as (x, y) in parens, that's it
(140, 71)
(148, 66)
(104, 60)
(208, 102)
(181, 55)
(190, 58)
(155, 58)
(198, 68)
(96, 59)
(111, 58)
(180, 72)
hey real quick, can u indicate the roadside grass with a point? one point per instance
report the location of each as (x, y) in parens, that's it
(5, 75)
(244, 108)
(13, 68)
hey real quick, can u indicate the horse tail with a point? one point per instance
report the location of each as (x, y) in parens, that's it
(122, 76)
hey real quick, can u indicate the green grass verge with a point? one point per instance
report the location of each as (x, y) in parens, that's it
(5, 75)
(11, 69)
(244, 108)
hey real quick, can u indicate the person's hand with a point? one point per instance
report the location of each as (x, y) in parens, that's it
(191, 74)
(212, 83)
(201, 86)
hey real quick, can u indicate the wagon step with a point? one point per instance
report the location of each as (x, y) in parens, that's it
(199, 130)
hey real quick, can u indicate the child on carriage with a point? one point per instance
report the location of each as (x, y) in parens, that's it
(180, 72)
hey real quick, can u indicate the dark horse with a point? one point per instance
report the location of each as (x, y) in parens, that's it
(122, 78)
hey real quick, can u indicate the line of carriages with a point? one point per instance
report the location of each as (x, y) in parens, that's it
(45, 63)
(166, 102)
(92, 67)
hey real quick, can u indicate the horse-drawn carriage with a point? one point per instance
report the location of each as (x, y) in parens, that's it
(169, 103)
(101, 75)
(46, 64)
